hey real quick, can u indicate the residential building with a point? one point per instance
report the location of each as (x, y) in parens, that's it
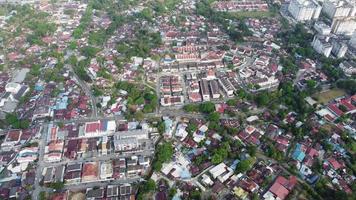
(204, 88)
(139, 134)
(126, 144)
(169, 100)
(130, 140)
(280, 188)
(98, 128)
(134, 170)
(322, 28)
(344, 26)
(337, 8)
(95, 193)
(112, 191)
(125, 189)
(214, 89)
(304, 10)
(339, 48)
(246, 5)
(221, 171)
(227, 86)
(20, 2)
(321, 45)
(12, 139)
(348, 67)
(352, 41)
(106, 170)
(90, 171)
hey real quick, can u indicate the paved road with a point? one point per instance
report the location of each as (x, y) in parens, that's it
(82, 186)
(88, 119)
(39, 169)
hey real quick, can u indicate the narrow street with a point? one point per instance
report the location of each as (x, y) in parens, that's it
(87, 92)
(40, 165)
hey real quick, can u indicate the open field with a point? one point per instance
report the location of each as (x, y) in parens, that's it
(325, 97)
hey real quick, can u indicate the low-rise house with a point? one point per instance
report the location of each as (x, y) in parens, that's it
(112, 191)
(219, 170)
(12, 139)
(90, 172)
(106, 170)
(97, 128)
(281, 188)
(298, 153)
(93, 194)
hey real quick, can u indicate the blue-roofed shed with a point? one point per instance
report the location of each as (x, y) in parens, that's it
(313, 179)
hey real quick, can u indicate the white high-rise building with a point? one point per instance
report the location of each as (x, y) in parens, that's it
(20, 2)
(353, 40)
(339, 48)
(322, 28)
(304, 10)
(343, 26)
(337, 8)
(322, 45)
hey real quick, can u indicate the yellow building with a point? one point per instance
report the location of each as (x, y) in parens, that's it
(240, 193)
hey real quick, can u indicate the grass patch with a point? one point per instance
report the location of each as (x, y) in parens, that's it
(325, 97)
(3, 10)
(253, 14)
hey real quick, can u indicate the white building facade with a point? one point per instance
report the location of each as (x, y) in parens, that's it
(304, 10)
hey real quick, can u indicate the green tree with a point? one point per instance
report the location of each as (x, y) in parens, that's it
(149, 186)
(140, 101)
(195, 195)
(214, 117)
(207, 107)
(164, 153)
(191, 128)
(72, 45)
(348, 84)
(221, 153)
(96, 91)
(191, 108)
(11, 118)
(146, 13)
(217, 158)
(231, 102)
(139, 115)
(252, 150)
(89, 51)
(57, 185)
(262, 99)
(42, 195)
(243, 166)
(172, 192)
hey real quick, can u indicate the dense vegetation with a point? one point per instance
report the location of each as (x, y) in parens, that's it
(16, 123)
(164, 153)
(142, 44)
(234, 27)
(138, 96)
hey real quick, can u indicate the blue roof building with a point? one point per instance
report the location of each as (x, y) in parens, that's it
(298, 154)
(61, 103)
(313, 179)
(39, 87)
